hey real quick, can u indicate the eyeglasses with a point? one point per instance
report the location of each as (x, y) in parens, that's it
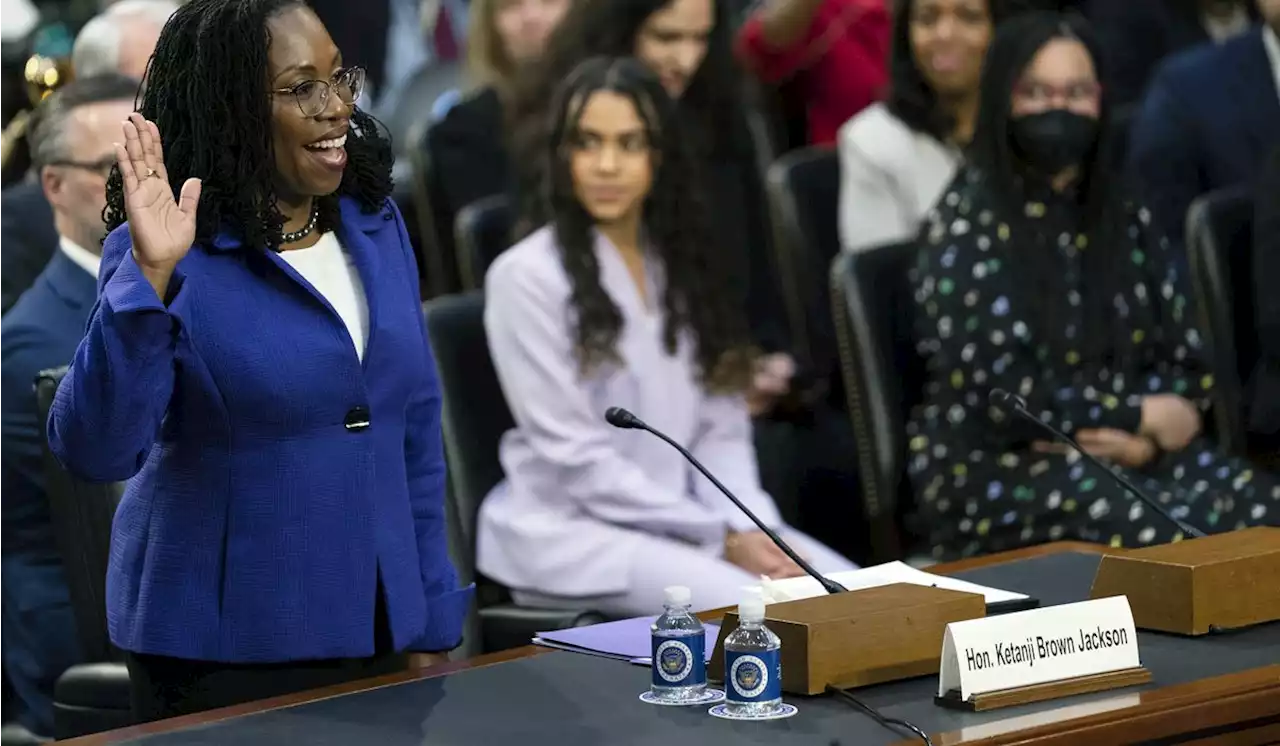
(1045, 94)
(101, 167)
(313, 95)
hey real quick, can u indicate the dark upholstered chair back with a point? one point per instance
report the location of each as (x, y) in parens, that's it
(483, 231)
(871, 303)
(1220, 250)
(82, 513)
(804, 191)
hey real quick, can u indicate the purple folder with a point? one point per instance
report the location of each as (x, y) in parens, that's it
(626, 640)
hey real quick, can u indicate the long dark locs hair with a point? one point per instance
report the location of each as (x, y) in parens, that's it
(694, 295)
(206, 89)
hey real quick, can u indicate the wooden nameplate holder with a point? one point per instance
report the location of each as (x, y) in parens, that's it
(858, 638)
(1024, 695)
(1196, 586)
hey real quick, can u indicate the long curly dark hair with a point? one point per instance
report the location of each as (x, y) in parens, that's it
(712, 105)
(694, 295)
(206, 90)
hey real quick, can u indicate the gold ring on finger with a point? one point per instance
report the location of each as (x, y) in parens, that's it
(151, 172)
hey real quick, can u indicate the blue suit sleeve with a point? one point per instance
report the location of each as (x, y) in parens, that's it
(447, 604)
(107, 412)
(1163, 155)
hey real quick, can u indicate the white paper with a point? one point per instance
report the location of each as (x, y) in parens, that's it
(792, 589)
(1038, 646)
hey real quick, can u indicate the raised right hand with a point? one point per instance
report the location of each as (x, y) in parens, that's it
(162, 229)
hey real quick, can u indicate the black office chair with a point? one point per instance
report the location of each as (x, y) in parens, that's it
(437, 259)
(475, 417)
(483, 231)
(94, 696)
(804, 192)
(1220, 249)
(870, 295)
(414, 104)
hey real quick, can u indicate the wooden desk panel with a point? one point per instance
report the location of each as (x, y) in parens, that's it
(1248, 702)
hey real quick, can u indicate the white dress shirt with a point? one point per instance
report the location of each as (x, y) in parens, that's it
(83, 258)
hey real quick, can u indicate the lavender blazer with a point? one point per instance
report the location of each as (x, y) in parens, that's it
(580, 497)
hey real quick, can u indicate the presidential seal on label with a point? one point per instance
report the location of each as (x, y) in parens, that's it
(753, 677)
(679, 661)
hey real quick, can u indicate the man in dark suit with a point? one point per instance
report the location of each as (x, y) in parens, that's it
(27, 236)
(72, 151)
(1264, 408)
(1211, 117)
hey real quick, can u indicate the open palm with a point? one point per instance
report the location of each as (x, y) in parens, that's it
(162, 229)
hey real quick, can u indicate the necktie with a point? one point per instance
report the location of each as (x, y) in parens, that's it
(446, 43)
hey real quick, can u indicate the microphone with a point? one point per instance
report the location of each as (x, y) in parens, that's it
(621, 418)
(1010, 402)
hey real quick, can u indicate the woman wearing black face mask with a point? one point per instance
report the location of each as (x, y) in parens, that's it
(1036, 277)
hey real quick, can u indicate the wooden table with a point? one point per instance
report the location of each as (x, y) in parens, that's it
(1237, 709)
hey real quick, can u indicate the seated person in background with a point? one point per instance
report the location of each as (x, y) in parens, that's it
(467, 149)
(1209, 121)
(617, 302)
(72, 151)
(1035, 276)
(687, 44)
(897, 157)
(833, 51)
(1136, 35)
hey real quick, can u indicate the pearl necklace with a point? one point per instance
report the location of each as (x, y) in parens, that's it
(304, 231)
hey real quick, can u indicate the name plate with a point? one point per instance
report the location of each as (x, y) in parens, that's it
(1040, 646)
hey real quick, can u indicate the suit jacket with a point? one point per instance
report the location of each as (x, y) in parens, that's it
(276, 480)
(41, 331)
(579, 494)
(1265, 405)
(28, 239)
(890, 177)
(1136, 36)
(468, 160)
(1210, 118)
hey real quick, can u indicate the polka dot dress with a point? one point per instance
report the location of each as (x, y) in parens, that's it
(979, 485)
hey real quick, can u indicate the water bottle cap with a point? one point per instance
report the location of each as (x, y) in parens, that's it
(677, 595)
(751, 609)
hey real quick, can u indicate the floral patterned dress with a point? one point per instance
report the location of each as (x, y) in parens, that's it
(979, 486)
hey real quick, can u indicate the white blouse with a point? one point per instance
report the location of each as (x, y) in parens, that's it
(331, 272)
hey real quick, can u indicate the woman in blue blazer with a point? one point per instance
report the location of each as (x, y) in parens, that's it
(257, 366)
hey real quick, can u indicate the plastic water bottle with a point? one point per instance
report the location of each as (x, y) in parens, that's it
(679, 650)
(752, 663)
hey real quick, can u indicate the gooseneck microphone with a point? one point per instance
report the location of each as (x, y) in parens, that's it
(1009, 402)
(621, 418)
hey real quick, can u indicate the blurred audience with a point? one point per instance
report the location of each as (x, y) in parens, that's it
(1264, 414)
(897, 157)
(467, 149)
(1209, 120)
(1136, 35)
(1037, 277)
(72, 150)
(119, 41)
(830, 54)
(619, 301)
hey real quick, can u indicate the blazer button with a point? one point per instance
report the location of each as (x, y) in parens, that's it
(356, 420)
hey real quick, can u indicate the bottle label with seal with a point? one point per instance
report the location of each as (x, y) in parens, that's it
(754, 676)
(679, 661)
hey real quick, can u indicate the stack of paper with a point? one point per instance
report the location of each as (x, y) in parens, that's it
(627, 640)
(791, 589)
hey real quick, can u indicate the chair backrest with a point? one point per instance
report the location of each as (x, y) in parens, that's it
(436, 259)
(483, 231)
(871, 302)
(804, 191)
(414, 103)
(81, 513)
(475, 413)
(1220, 251)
